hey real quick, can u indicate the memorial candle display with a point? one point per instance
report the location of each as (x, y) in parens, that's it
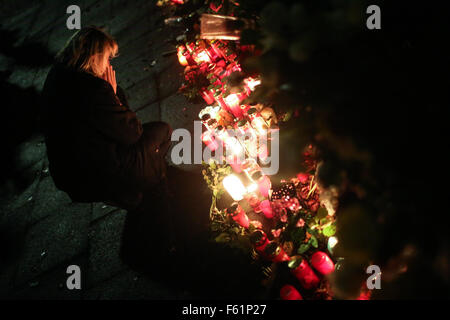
(322, 263)
(238, 214)
(210, 67)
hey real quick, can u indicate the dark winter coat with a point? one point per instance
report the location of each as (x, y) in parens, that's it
(93, 138)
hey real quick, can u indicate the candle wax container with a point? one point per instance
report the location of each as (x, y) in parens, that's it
(289, 292)
(322, 263)
(259, 240)
(305, 275)
(233, 103)
(263, 181)
(235, 163)
(266, 209)
(250, 166)
(208, 139)
(238, 214)
(181, 50)
(234, 187)
(275, 253)
(253, 201)
(210, 124)
(208, 96)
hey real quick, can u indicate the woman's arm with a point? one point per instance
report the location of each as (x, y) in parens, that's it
(113, 119)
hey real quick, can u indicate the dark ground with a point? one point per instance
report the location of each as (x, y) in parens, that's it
(42, 231)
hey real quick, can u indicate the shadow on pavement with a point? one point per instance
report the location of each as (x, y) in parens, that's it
(198, 265)
(20, 106)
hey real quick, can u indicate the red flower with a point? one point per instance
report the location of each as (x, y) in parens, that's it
(303, 177)
(213, 6)
(276, 233)
(300, 223)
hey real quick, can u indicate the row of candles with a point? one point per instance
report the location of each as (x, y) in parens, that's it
(212, 58)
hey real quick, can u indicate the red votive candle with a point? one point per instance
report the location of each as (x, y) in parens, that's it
(275, 253)
(253, 201)
(233, 104)
(264, 184)
(306, 275)
(235, 163)
(208, 139)
(266, 208)
(208, 96)
(322, 263)
(260, 241)
(288, 292)
(238, 214)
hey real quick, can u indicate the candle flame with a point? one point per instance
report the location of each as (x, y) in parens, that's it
(234, 187)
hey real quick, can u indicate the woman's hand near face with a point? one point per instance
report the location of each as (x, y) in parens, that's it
(110, 76)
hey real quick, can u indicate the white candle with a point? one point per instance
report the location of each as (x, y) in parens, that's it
(234, 187)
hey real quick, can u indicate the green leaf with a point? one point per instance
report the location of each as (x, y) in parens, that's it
(323, 220)
(329, 231)
(321, 213)
(298, 235)
(313, 241)
(223, 237)
(294, 263)
(303, 248)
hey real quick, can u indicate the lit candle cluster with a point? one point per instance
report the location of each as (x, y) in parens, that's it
(229, 122)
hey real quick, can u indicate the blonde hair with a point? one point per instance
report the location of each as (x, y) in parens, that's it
(85, 48)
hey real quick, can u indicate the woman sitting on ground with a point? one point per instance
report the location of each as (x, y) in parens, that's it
(98, 150)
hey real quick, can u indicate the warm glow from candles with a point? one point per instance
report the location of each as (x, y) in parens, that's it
(252, 188)
(252, 83)
(233, 104)
(202, 57)
(181, 58)
(235, 146)
(234, 187)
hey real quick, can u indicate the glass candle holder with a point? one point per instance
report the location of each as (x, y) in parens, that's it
(238, 215)
(208, 139)
(213, 26)
(234, 187)
(305, 275)
(250, 166)
(289, 292)
(182, 58)
(263, 181)
(259, 240)
(210, 124)
(253, 201)
(322, 263)
(233, 104)
(235, 163)
(275, 253)
(208, 96)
